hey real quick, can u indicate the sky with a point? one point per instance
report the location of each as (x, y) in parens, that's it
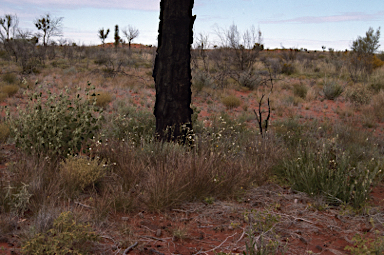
(308, 24)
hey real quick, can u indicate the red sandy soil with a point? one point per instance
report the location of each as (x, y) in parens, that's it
(202, 228)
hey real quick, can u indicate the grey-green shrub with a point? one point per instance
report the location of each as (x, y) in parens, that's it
(332, 90)
(56, 126)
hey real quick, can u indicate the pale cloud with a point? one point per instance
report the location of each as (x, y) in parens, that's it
(144, 5)
(345, 17)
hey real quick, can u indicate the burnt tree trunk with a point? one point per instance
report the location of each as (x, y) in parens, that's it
(172, 71)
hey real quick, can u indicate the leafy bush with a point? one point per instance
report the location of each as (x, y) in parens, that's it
(79, 173)
(66, 237)
(377, 104)
(231, 101)
(300, 90)
(332, 90)
(57, 126)
(366, 246)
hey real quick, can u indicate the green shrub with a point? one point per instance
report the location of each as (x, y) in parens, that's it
(332, 90)
(131, 124)
(366, 246)
(330, 172)
(300, 90)
(231, 102)
(10, 90)
(249, 79)
(202, 80)
(57, 126)
(79, 173)
(66, 237)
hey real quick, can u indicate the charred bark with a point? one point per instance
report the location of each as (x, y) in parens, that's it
(172, 71)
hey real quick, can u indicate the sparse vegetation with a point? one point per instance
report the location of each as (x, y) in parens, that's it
(87, 160)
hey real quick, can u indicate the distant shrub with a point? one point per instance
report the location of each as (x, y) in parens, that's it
(79, 173)
(300, 90)
(57, 126)
(66, 237)
(201, 80)
(332, 90)
(70, 70)
(288, 68)
(376, 83)
(101, 98)
(9, 78)
(358, 94)
(249, 79)
(10, 90)
(231, 102)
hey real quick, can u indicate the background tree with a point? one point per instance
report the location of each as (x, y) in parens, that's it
(49, 26)
(117, 37)
(130, 33)
(8, 27)
(103, 35)
(172, 71)
(361, 61)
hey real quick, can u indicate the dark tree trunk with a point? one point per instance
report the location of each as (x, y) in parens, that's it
(172, 71)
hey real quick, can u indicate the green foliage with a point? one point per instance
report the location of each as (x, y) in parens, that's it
(79, 173)
(300, 90)
(332, 90)
(17, 199)
(329, 171)
(250, 79)
(262, 239)
(366, 246)
(55, 126)
(231, 101)
(131, 124)
(201, 80)
(66, 237)
(368, 44)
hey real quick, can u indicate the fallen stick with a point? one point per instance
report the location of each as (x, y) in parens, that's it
(130, 248)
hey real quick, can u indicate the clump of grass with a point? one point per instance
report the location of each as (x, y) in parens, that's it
(9, 78)
(3, 96)
(300, 90)
(10, 90)
(200, 80)
(377, 105)
(79, 173)
(358, 94)
(101, 98)
(4, 132)
(231, 102)
(332, 90)
(330, 172)
(66, 237)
